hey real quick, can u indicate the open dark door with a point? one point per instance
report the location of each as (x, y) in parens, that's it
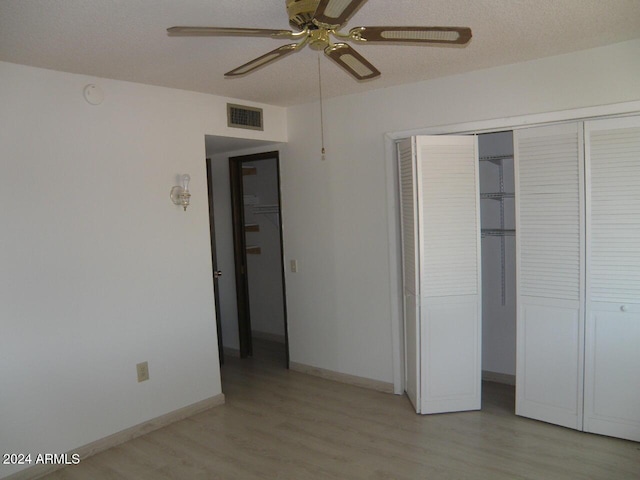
(238, 168)
(240, 257)
(216, 273)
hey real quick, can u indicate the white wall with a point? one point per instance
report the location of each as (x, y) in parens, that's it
(498, 321)
(98, 269)
(335, 211)
(264, 270)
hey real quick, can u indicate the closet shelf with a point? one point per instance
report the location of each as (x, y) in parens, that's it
(253, 250)
(265, 209)
(497, 232)
(251, 227)
(501, 232)
(249, 171)
(497, 195)
(495, 158)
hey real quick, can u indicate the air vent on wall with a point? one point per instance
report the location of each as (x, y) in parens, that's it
(239, 116)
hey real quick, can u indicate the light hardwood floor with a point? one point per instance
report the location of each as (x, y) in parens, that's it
(280, 424)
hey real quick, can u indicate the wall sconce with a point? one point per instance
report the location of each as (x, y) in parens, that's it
(180, 194)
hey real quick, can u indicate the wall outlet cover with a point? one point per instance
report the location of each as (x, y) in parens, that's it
(143, 371)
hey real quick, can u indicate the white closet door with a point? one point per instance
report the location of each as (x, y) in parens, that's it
(612, 364)
(450, 300)
(410, 268)
(550, 273)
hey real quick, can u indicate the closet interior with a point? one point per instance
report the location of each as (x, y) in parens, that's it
(497, 220)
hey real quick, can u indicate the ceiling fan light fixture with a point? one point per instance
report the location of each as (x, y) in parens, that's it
(319, 20)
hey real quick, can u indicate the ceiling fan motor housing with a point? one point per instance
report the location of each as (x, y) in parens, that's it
(301, 12)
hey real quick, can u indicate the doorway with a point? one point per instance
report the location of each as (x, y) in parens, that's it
(258, 256)
(214, 261)
(498, 253)
(497, 211)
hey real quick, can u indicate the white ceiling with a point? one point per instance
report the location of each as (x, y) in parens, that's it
(127, 40)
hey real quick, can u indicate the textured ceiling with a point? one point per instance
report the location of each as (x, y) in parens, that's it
(127, 40)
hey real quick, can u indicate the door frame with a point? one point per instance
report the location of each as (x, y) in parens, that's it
(240, 252)
(214, 261)
(464, 128)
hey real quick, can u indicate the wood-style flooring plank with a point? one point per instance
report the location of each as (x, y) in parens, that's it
(279, 424)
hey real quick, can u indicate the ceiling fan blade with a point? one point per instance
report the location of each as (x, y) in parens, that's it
(336, 12)
(354, 63)
(450, 35)
(263, 60)
(221, 31)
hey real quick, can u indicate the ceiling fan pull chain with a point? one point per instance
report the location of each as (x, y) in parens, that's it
(321, 112)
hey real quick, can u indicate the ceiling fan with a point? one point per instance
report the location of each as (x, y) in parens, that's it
(316, 21)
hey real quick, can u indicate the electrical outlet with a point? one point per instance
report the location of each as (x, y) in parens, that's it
(143, 371)
(294, 266)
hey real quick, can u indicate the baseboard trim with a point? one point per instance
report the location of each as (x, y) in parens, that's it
(86, 451)
(342, 377)
(497, 377)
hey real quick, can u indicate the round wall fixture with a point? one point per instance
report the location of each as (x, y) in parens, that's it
(93, 94)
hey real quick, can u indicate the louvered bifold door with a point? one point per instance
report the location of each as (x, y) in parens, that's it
(450, 299)
(410, 268)
(550, 273)
(612, 347)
